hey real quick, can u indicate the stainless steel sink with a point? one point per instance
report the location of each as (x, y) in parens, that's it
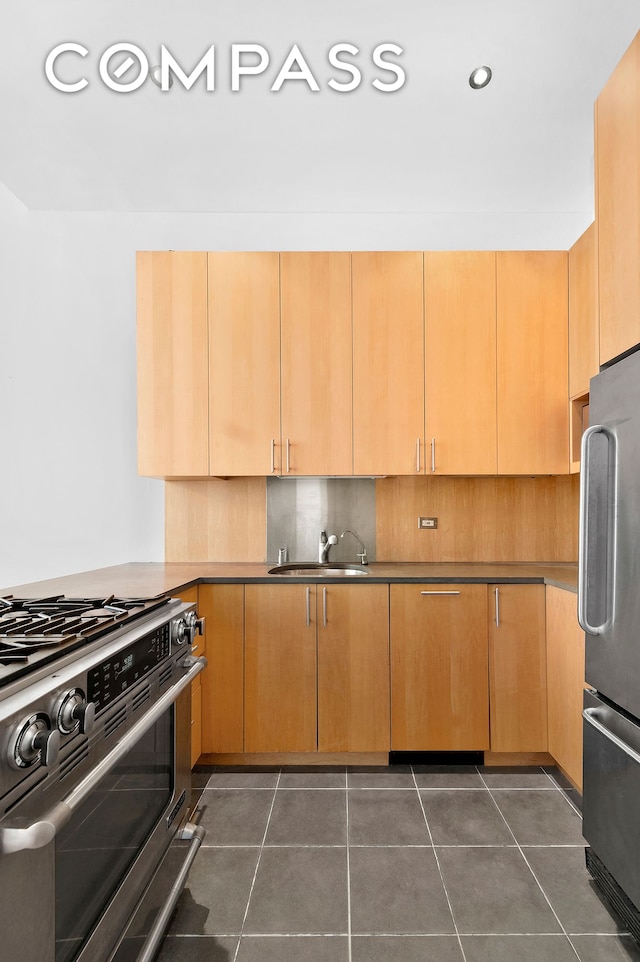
(312, 569)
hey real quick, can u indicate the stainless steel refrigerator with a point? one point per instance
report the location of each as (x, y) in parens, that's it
(609, 613)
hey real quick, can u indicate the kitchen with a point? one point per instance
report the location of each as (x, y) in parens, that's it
(81, 349)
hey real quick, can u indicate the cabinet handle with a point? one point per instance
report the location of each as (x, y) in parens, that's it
(288, 456)
(433, 454)
(439, 592)
(497, 594)
(308, 594)
(324, 607)
(418, 455)
(273, 455)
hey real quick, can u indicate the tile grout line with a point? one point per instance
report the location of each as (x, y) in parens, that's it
(255, 874)
(526, 861)
(435, 854)
(346, 793)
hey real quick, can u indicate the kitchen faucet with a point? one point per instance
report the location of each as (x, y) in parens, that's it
(361, 554)
(324, 546)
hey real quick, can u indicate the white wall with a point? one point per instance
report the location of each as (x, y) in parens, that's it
(70, 493)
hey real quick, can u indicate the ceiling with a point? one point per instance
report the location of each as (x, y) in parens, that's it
(524, 143)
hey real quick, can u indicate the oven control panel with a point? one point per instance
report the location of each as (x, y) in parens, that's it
(108, 680)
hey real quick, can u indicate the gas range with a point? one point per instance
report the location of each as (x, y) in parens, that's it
(67, 664)
(35, 632)
(95, 775)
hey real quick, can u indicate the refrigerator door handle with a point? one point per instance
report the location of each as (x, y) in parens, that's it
(590, 715)
(583, 554)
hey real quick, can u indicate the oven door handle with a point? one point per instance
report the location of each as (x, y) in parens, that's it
(40, 833)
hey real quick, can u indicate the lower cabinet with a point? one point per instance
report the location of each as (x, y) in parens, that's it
(565, 680)
(517, 668)
(377, 667)
(222, 607)
(190, 595)
(439, 667)
(353, 668)
(280, 668)
(316, 668)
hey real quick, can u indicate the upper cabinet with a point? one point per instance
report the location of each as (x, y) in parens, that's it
(172, 364)
(618, 206)
(316, 376)
(244, 363)
(388, 362)
(533, 424)
(370, 363)
(460, 362)
(583, 313)
(583, 335)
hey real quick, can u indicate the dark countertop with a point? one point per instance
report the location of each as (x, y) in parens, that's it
(139, 579)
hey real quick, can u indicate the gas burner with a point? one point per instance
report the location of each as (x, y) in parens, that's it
(31, 627)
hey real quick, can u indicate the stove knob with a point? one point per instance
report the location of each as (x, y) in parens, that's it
(72, 711)
(34, 741)
(48, 744)
(86, 715)
(180, 632)
(195, 624)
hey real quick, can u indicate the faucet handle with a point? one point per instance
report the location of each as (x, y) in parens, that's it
(332, 539)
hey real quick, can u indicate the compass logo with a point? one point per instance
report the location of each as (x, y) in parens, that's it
(124, 67)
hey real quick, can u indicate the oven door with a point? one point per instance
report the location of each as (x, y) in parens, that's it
(72, 895)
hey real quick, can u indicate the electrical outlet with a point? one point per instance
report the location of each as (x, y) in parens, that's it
(427, 523)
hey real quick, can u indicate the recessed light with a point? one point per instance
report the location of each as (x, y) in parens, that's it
(480, 77)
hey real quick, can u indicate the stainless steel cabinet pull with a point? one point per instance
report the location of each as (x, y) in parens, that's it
(497, 594)
(590, 715)
(433, 454)
(439, 592)
(308, 594)
(288, 456)
(583, 554)
(273, 455)
(40, 833)
(324, 607)
(418, 455)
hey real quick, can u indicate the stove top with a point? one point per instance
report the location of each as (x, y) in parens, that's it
(34, 631)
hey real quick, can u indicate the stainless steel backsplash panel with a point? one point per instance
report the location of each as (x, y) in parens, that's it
(299, 509)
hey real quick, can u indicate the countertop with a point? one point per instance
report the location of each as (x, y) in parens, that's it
(139, 579)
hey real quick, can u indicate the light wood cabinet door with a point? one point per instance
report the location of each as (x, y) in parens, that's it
(517, 668)
(460, 362)
(618, 206)
(533, 416)
(244, 363)
(565, 681)
(190, 595)
(439, 667)
(173, 373)
(583, 313)
(388, 362)
(316, 376)
(222, 607)
(353, 668)
(280, 668)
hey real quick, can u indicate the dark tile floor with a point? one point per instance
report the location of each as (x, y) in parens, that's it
(391, 865)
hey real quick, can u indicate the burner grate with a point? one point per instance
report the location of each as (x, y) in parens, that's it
(29, 625)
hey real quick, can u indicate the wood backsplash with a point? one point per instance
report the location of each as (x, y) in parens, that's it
(215, 520)
(479, 519)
